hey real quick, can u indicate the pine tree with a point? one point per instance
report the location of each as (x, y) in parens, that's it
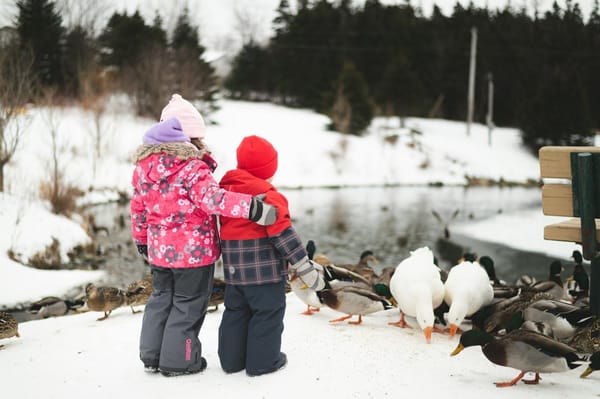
(194, 78)
(39, 27)
(352, 109)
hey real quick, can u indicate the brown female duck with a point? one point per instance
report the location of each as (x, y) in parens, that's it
(104, 299)
(9, 327)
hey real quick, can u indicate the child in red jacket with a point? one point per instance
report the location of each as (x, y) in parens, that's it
(255, 263)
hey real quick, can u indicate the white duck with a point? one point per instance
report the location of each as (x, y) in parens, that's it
(468, 289)
(417, 287)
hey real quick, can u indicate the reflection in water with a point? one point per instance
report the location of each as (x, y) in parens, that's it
(391, 221)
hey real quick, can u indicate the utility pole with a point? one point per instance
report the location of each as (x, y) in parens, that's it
(471, 96)
(490, 114)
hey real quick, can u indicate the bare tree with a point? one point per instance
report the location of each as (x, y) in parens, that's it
(87, 14)
(16, 88)
(62, 196)
(247, 24)
(94, 97)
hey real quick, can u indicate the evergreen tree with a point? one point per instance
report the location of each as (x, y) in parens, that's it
(194, 78)
(248, 78)
(125, 38)
(39, 28)
(352, 109)
(79, 56)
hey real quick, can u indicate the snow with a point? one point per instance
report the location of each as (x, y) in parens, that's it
(77, 355)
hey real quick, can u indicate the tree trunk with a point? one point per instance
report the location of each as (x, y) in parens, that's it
(2, 176)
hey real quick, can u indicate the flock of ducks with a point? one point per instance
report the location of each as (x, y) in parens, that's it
(531, 326)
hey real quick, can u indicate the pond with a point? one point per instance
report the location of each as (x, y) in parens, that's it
(390, 221)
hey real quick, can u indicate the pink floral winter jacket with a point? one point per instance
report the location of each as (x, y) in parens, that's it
(175, 202)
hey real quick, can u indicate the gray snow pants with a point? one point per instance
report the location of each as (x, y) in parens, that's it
(251, 327)
(173, 317)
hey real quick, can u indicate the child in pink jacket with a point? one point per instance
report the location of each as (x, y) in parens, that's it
(174, 207)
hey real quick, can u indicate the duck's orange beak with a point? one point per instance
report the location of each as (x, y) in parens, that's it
(457, 350)
(427, 331)
(18, 336)
(453, 329)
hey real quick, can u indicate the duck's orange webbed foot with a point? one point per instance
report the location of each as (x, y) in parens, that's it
(511, 382)
(400, 323)
(535, 381)
(341, 319)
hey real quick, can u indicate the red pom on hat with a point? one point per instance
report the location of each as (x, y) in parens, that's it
(257, 156)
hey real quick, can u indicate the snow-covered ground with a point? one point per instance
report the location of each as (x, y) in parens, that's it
(77, 355)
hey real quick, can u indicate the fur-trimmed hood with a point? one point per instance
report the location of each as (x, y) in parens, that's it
(181, 150)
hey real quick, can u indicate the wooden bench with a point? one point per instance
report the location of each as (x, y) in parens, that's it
(572, 189)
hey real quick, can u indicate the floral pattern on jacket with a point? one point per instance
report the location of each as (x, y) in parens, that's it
(175, 202)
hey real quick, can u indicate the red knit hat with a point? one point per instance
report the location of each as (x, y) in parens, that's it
(257, 156)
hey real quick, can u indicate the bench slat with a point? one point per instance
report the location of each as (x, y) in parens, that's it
(555, 161)
(557, 200)
(568, 230)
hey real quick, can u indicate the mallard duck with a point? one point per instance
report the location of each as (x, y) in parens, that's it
(594, 365)
(9, 327)
(563, 319)
(330, 273)
(52, 306)
(579, 279)
(217, 296)
(467, 290)
(104, 299)
(363, 268)
(587, 339)
(488, 265)
(138, 292)
(418, 289)
(526, 351)
(352, 299)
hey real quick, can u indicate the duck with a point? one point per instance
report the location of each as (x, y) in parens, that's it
(488, 265)
(363, 268)
(594, 365)
(579, 279)
(217, 296)
(138, 292)
(467, 290)
(352, 299)
(52, 306)
(417, 287)
(330, 273)
(104, 299)
(9, 327)
(524, 350)
(587, 339)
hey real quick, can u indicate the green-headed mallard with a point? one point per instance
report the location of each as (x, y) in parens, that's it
(418, 289)
(138, 292)
(352, 299)
(9, 327)
(524, 350)
(593, 365)
(104, 299)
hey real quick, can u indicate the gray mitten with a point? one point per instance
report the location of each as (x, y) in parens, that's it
(261, 212)
(305, 269)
